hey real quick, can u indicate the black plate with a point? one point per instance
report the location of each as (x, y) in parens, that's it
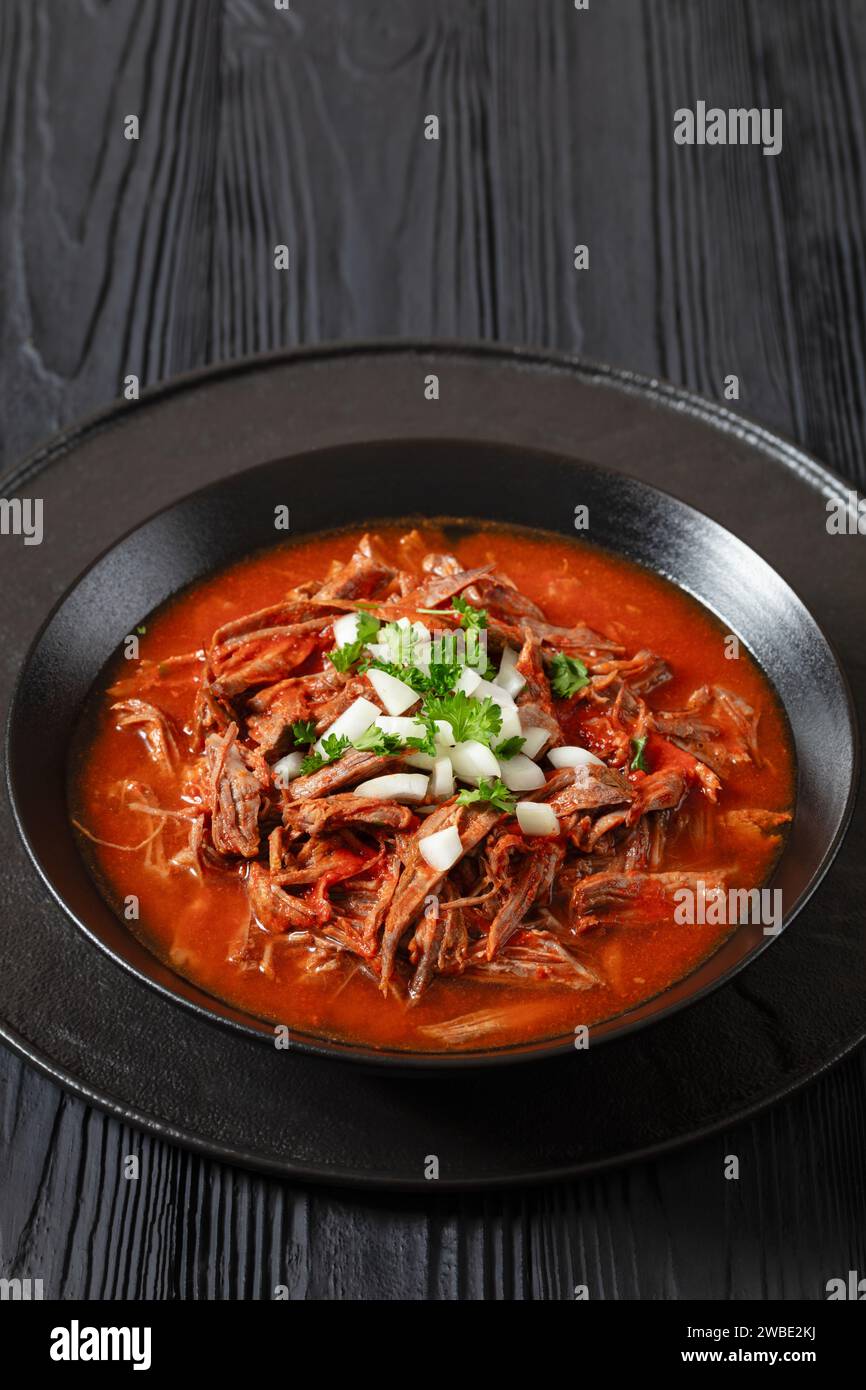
(220, 524)
(102, 1032)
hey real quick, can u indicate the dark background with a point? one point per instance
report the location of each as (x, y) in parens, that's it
(261, 127)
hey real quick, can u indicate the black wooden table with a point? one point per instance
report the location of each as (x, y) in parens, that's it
(306, 127)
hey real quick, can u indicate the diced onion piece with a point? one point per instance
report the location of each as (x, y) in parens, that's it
(441, 780)
(445, 735)
(395, 694)
(510, 723)
(536, 818)
(569, 756)
(469, 681)
(521, 774)
(422, 760)
(473, 760)
(509, 677)
(396, 786)
(352, 722)
(346, 629)
(489, 690)
(442, 849)
(287, 768)
(534, 739)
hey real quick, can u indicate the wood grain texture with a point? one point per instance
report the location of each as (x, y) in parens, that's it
(305, 127)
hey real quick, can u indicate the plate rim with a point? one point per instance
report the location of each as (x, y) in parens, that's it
(657, 389)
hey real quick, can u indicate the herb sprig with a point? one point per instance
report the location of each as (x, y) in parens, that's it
(493, 791)
(638, 762)
(341, 658)
(469, 719)
(569, 675)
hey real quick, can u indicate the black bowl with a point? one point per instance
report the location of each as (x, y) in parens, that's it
(391, 480)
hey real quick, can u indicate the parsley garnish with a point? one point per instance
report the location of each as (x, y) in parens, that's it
(427, 744)
(470, 617)
(304, 731)
(469, 719)
(312, 762)
(510, 748)
(569, 676)
(333, 748)
(495, 792)
(410, 675)
(638, 762)
(375, 740)
(441, 680)
(341, 658)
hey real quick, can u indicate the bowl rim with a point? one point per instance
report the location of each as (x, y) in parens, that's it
(619, 1025)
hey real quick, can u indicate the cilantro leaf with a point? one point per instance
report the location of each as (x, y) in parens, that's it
(375, 740)
(569, 676)
(442, 678)
(312, 762)
(427, 744)
(341, 658)
(510, 748)
(470, 617)
(638, 762)
(410, 675)
(469, 719)
(304, 731)
(334, 746)
(495, 792)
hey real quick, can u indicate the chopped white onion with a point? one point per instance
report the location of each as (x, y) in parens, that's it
(346, 629)
(509, 677)
(352, 722)
(445, 735)
(422, 760)
(469, 681)
(534, 739)
(536, 818)
(473, 760)
(510, 723)
(489, 690)
(396, 786)
(569, 756)
(521, 774)
(441, 780)
(395, 694)
(442, 849)
(287, 768)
